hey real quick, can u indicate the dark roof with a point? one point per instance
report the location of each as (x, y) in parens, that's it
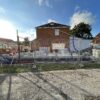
(96, 40)
(5, 40)
(53, 24)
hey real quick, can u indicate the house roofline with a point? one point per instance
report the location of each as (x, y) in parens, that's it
(53, 25)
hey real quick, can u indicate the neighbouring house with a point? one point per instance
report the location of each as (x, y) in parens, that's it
(7, 45)
(24, 48)
(51, 37)
(96, 46)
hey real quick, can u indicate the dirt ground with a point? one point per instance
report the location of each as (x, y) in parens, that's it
(53, 85)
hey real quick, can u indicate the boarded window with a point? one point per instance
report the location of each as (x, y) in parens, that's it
(56, 32)
(58, 46)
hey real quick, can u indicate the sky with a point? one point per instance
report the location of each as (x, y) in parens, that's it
(25, 15)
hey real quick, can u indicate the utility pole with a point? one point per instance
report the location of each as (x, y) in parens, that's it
(18, 43)
(79, 54)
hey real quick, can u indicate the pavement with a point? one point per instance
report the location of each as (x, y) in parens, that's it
(78, 84)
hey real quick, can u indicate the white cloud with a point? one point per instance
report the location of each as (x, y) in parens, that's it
(40, 2)
(44, 2)
(8, 30)
(83, 16)
(77, 8)
(48, 3)
(2, 10)
(51, 20)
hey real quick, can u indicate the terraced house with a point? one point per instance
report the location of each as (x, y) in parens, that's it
(7, 45)
(51, 36)
(96, 46)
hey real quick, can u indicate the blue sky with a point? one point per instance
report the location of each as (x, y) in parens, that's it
(27, 14)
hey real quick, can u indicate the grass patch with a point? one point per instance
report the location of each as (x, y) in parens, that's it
(55, 66)
(46, 67)
(15, 69)
(91, 65)
(66, 66)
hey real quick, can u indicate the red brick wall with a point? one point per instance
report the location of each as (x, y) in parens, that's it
(49, 33)
(46, 36)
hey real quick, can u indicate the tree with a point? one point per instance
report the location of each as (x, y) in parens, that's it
(82, 30)
(26, 41)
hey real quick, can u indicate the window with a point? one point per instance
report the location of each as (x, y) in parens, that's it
(56, 32)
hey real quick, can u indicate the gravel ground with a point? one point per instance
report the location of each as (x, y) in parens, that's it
(53, 85)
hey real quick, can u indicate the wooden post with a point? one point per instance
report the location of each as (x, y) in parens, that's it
(18, 43)
(79, 50)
